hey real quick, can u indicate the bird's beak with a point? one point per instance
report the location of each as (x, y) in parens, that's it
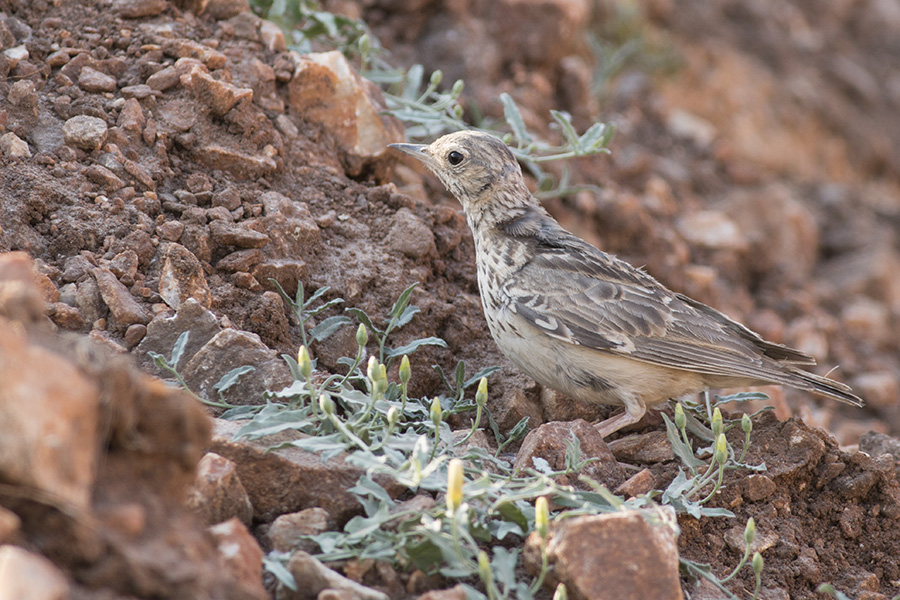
(417, 151)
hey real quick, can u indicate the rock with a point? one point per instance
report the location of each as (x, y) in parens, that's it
(87, 133)
(514, 406)
(92, 80)
(131, 117)
(241, 555)
(711, 229)
(289, 479)
(651, 447)
(140, 173)
(124, 266)
(65, 316)
(103, 176)
(287, 531)
(47, 443)
(734, 539)
(124, 308)
(15, 55)
(687, 125)
(757, 487)
(20, 298)
(134, 334)
(230, 349)
(289, 225)
(163, 331)
(13, 146)
(875, 444)
(23, 94)
(170, 230)
(218, 96)
(240, 260)
(30, 576)
(545, 447)
(317, 578)
(136, 9)
(326, 91)
(163, 79)
(225, 9)
(218, 494)
(410, 236)
(240, 164)
(622, 555)
(89, 302)
(181, 276)
(639, 483)
(285, 271)
(457, 592)
(233, 234)
(271, 36)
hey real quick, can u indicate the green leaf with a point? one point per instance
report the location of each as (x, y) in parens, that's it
(564, 120)
(413, 346)
(269, 422)
(158, 359)
(318, 294)
(231, 377)
(402, 302)
(486, 372)
(281, 573)
(179, 347)
(682, 450)
(406, 316)
(313, 312)
(328, 327)
(293, 366)
(239, 413)
(514, 118)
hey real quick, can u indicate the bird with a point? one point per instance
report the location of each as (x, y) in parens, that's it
(584, 322)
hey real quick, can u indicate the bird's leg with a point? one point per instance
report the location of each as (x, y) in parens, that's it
(635, 409)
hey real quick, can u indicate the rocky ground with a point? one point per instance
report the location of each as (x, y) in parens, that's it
(161, 162)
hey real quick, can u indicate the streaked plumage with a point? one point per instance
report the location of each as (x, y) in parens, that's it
(583, 322)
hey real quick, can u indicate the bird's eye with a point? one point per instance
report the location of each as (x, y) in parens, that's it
(454, 158)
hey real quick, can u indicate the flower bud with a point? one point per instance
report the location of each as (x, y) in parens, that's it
(746, 423)
(457, 88)
(750, 531)
(721, 452)
(717, 425)
(405, 370)
(757, 563)
(372, 370)
(436, 412)
(454, 484)
(362, 336)
(484, 569)
(542, 517)
(326, 404)
(393, 416)
(561, 593)
(436, 78)
(680, 417)
(304, 362)
(481, 395)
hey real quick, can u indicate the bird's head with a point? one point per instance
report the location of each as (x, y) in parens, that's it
(477, 168)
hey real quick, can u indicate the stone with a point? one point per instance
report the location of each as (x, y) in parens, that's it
(317, 579)
(623, 555)
(240, 260)
(65, 316)
(287, 532)
(457, 592)
(875, 444)
(88, 300)
(131, 117)
(102, 176)
(15, 55)
(240, 164)
(124, 266)
(651, 447)
(87, 133)
(291, 229)
(711, 229)
(163, 331)
(288, 479)
(734, 539)
(140, 173)
(545, 447)
(48, 424)
(20, 298)
(121, 303)
(234, 234)
(638, 484)
(756, 487)
(134, 334)
(326, 91)
(136, 9)
(92, 80)
(287, 272)
(218, 96)
(170, 230)
(218, 494)
(410, 236)
(241, 555)
(225, 9)
(230, 349)
(271, 36)
(181, 276)
(24, 574)
(13, 146)
(163, 79)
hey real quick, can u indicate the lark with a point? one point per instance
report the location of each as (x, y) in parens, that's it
(583, 322)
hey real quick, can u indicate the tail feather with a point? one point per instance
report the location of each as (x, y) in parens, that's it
(828, 387)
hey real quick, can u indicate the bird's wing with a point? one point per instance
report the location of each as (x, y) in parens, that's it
(592, 299)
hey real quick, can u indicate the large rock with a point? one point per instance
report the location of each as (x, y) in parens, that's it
(181, 276)
(624, 555)
(325, 90)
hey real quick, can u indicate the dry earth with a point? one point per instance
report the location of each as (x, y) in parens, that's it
(151, 156)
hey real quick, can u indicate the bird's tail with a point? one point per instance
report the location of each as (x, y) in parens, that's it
(828, 387)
